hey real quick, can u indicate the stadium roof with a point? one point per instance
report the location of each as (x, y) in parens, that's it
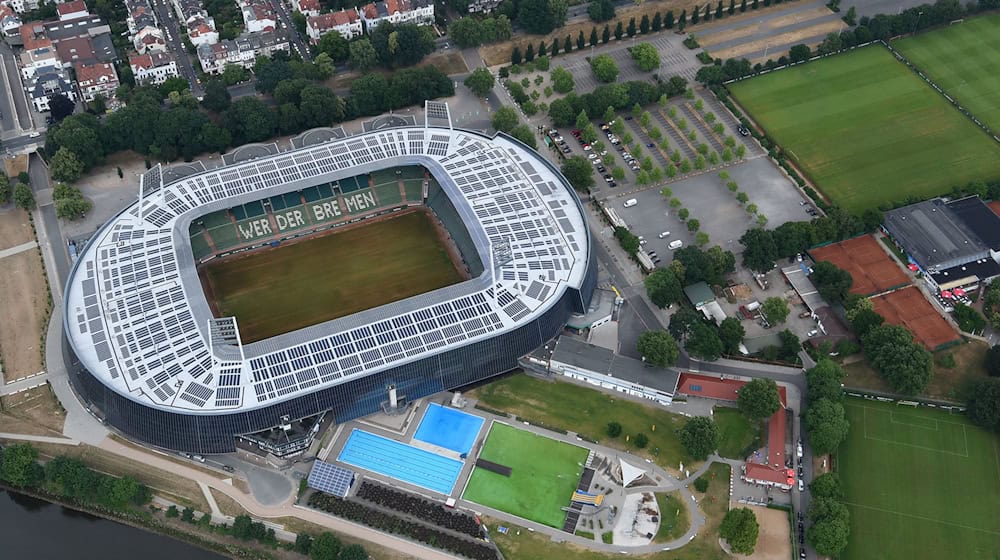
(138, 318)
(936, 235)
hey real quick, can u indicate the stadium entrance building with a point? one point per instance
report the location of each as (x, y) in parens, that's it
(158, 366)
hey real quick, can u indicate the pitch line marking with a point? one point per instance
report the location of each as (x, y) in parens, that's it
(880, 410)
(922, 518)
(892, 419)
(915, 446)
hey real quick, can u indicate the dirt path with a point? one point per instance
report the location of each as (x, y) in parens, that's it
(24, 301)
(774, 540)
(775, 22)
(776, 41)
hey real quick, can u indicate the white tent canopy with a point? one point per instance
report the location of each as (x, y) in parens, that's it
(630, 473)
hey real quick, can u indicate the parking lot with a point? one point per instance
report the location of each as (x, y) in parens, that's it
(675, 60)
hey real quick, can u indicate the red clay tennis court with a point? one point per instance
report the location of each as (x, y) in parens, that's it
(873, 270)
(909, 308)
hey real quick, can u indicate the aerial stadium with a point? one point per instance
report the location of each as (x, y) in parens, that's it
(295, 245)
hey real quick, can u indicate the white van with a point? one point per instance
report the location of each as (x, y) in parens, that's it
(664, 234)
(631, 202)
(675, 244)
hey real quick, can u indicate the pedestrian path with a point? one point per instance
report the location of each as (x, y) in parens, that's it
(18, 249)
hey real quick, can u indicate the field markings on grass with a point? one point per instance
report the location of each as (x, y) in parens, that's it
(913, 445)
(922, 518)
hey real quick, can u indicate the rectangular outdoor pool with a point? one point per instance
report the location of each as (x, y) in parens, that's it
(449, 428)
(401, 461)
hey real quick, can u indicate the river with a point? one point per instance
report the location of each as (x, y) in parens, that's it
(33, 529)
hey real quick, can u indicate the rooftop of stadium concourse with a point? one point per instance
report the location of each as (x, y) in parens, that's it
(138, 319)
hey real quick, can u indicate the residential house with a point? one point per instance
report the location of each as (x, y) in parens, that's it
(140, 15)
(21, 6)
(72, 10)
(345, 22)
(47, 82)
(10, 24)
(258, 16)
(483, 6)
(201, 30)
(39, 52)
(186, 9)
(149, 39)
(420, 12)
(97, 79)
(153, 68)
(306, 7)
(243, 51)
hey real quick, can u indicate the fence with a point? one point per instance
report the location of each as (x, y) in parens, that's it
(889, 397)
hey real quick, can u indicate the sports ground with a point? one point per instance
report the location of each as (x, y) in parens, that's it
(867, 130)
(920, 483)
(544, 474)
(274, 291)
(962, 59)
(871, 268)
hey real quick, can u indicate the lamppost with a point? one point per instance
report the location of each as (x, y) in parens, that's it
(916, 21)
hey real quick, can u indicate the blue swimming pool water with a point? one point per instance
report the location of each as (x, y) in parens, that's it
(449, 428)
(400, 461)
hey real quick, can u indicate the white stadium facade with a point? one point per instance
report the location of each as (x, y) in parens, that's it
(158, 366)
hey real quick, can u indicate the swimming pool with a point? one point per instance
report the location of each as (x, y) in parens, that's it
(449, 428)
(400, 461)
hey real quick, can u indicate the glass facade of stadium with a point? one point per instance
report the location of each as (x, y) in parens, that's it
(449, 370)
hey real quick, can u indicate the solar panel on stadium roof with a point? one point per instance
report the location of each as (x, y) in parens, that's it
(331, 479)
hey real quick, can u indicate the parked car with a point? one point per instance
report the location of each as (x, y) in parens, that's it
(566, 150)
(744, 131)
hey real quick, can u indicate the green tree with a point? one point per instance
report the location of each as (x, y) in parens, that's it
(172, 512)
(759, 250)
(824, 381)
(983, 404)
(646, 57)
(699, 436)
(798, 53)
(604, 68)
(325, 547)
(775, 310)
(641, 440)
(579, 172)
(740, 529)
(992, 361)
(23, 197)
(832, 283)
(303, 541)
(187, 515)
(525, 134)
(968, 319)
(658, 348)
(69, 202)
(505, 119)
(234, 74)
(65, 166)
(704, 343)
(614, 429)
(829, 538)
(731, 333)
(466, 32)
(480, 82)
(693, 225)
(336, 46)
(562, 80)
(19, 465)
(601, 10)
(362, 55)
(826, 485)
(663, 288)
(4, 189)
(217, 98)
(827, 424)
(864, 320)
(540, 17)
(759, 399)
(353, 552)
(905, 364)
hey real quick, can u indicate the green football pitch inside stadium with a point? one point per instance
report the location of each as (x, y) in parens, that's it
(919, 483)
(275, 291)
(544, 475)
(867, 130)
(964, 60)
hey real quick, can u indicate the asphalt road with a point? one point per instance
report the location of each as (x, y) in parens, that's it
(283, 14)
(168, 20)
(16, 114)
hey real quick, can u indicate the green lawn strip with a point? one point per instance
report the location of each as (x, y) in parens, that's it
(919, 483)
(544, 474)
(585, 534)
(737, 434)
(588, 412)
(964, 60)
(674, 518)
(868, 130)
(276, 291)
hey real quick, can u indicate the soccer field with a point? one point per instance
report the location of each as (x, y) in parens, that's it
(963, 59)
(867, 130)
(275, 291)
(544, 474)
(920, 483)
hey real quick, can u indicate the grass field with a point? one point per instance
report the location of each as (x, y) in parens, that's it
(920, 483)
(736, 433)
(674, 517)
(867, 130)
(520, 544)
(279, 290)
(544, 474)
(965, 61)
(587, 412)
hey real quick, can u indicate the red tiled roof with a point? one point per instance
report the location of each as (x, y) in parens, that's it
(344, 17)
(776, 438)
(371, 12)
(995, 206)
(715, 387)
(33, 36)
(308, 5)
(94, 72)
(757, 471)
(71, 7)
(141, 61)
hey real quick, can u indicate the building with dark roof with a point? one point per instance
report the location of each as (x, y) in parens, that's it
(599, 366)
(951, 241)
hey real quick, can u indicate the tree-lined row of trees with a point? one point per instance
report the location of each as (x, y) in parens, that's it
(831, 520)
(618, 96)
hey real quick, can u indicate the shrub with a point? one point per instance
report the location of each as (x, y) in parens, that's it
(701, 484)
